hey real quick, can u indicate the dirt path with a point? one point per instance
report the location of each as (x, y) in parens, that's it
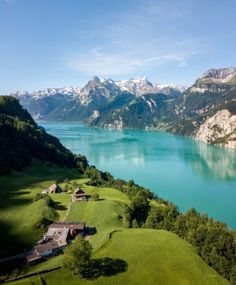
(68, 211)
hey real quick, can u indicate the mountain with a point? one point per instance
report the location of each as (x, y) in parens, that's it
(138, 103)
(137, 86)
(22, 140)
(141, 85)
(149, 111)
(41, 103)
(206, 110)
(86, 104)
(95, 98)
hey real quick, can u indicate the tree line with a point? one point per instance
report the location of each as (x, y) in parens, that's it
(213, 240)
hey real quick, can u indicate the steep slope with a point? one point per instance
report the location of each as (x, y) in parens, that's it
(98, 96)
(41, 103)
(132, 256)
(21, 139)
(142, 256)
(137, 86)
(141, 85)
(213, 92)
(147, 111)
(187, 114)
(209, 92)
(219, 129)
(137, 103)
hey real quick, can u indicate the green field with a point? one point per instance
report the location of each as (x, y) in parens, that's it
(142, 256)
(106, 214)
(18, 213)
(122, 256)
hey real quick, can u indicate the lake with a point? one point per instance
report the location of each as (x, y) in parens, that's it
(181, 170)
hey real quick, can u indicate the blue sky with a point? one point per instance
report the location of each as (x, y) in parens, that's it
(55, 43)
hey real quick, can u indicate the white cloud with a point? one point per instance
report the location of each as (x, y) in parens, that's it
(107, 64)
(136, 41)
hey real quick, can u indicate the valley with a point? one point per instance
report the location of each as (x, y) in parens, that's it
(117, 142)
(34, 164)
(139, 104)
(200, 173)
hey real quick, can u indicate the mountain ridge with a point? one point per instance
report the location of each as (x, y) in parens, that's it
(138, 103)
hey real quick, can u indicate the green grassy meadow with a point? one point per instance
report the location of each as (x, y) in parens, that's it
(142, 256)
(122, 256)
(18, 213)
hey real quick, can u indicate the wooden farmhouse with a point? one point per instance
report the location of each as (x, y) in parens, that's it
(58, 236)
(54, 188)
(79, 195)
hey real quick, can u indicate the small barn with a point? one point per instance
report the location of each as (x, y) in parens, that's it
(79, 195)
(55, 188)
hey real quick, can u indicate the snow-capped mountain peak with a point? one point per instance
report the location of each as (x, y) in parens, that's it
(166, 88)
(141, 85)
(39, 94)
(107, 87)
(137, 86)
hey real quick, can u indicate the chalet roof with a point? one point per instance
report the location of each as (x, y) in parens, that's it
(66, 225)
(32, 255)
(78, 190)
(41, 248)
(53, 187)
(58, 233)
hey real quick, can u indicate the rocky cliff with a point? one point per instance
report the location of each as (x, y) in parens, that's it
(219, 129)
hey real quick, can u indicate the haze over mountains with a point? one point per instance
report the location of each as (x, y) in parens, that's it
(205, 111)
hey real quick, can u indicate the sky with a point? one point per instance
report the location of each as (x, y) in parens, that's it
(56, 43)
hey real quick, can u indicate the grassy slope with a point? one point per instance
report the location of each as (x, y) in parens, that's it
(158, 257)
(153, 257)
(106, 214)
(17, 212)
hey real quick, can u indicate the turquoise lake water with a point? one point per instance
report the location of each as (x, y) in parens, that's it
(186, 172)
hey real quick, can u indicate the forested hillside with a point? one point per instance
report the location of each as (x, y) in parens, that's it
(21, 140)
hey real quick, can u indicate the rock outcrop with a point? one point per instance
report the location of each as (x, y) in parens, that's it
(220, 129)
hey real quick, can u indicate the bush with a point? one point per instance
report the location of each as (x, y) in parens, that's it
(46, 197)
(95, 197)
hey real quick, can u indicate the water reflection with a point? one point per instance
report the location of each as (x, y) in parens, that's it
(208, 161)
(189, 173)
(139, 147)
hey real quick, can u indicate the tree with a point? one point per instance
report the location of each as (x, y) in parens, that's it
(140, 207)
(130, 183)
(74, 184)
(67, 187)
(81, 162)
(95, 197)
(77, 256)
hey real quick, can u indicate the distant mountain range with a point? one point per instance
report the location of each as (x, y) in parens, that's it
(97, 97)
(205, 111)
